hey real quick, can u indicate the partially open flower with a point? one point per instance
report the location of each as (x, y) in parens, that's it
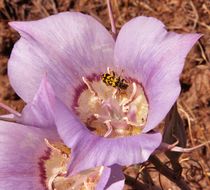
(34, 156)
(116, 92)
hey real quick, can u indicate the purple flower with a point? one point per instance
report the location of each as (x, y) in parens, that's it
(115, 93)
(34, 157)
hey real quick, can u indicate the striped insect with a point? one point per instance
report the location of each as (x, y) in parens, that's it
(110, 79)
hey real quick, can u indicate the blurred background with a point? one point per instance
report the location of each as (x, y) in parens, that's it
(182, 16)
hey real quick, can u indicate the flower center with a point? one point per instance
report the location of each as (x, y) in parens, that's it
(111, 106)
(53, 167)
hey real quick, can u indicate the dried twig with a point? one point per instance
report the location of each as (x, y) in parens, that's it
(195, 13)
(188, 122)
(111, 18)
(55, 10)
(203, 53)
(138, 185)
(169, 173)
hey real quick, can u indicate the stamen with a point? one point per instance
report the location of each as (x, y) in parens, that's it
(89, 86)
(133, 94)
(52, 179)
(51, 182)
(110, 128)
(51, 146)
(86, 186)
(114, 95)
(100, 117)
(108, 70)
(131, 123)
(60, 148)
(10, 110)
(101, 170)
(58, 171)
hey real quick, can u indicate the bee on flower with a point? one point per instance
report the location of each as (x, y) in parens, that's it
(110, 79)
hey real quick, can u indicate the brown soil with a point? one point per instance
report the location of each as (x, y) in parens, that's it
(178, 15)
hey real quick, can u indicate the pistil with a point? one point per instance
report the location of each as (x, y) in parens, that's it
(133, 94)
(109, 128)
(90, 88)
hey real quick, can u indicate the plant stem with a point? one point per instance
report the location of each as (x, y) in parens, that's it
(137, 185)
(111, 18)
(169, 173)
